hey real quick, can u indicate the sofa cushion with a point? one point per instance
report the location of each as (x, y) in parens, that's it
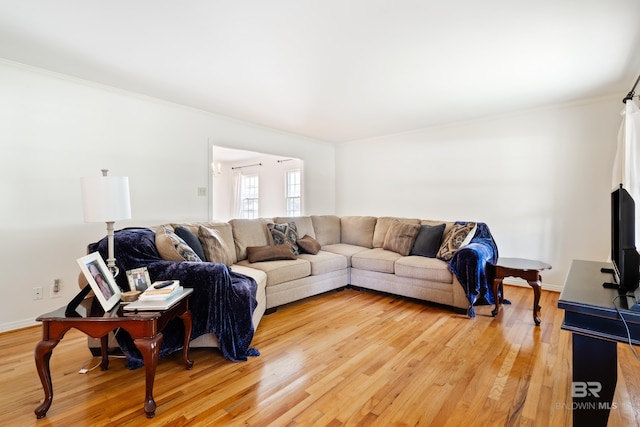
(173, 248)
(325, 262)
(249, 232)
(459, 236)
(423, 268)
(282, 270)
(258, 275)
(327, 229)
(215, 249)
(382, 226)
(377, 259)
(284, 234)
(192, 240)
(304, 225)
(269, 253)
(428, 241)
(400, 237)
(308, 245)
(345, 250)
(357, 230)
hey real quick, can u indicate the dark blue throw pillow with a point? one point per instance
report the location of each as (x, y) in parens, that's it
(192, 240)
(428, 240)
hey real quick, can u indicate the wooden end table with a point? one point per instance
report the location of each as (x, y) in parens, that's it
(526, 269)
(144, 327)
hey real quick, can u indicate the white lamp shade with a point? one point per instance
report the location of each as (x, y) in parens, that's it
(105, 198)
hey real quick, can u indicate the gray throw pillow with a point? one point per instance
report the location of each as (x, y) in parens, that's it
(192, 240)
(428, 241)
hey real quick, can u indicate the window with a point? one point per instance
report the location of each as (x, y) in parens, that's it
(249, 197)
(292, 192)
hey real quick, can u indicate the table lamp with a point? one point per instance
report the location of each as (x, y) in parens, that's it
(106, 199)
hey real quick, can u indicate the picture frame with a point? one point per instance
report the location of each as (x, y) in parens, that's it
(100, 279)
(138, 279)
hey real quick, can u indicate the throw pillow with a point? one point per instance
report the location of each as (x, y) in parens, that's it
(460, 235)
(172, 248)
(400, 237)
(214, 247)
(191, 240)
(269, 253)
(284, 234)
(428, 240)
(309, 245)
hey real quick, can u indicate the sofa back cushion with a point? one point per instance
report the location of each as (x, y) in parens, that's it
(304, 225)
(249, 232)
(382, 226)
(326, 228)
(357, 230)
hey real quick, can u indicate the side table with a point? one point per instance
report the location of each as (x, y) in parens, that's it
(526, 269)
(144, 327)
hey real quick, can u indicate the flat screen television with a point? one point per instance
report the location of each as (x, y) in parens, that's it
(624, 256)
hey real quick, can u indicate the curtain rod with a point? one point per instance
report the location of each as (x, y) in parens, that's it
(246, 166)
(284, 160)
(631, 92)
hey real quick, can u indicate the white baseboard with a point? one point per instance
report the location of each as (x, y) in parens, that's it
(11, 326)
(524, 284)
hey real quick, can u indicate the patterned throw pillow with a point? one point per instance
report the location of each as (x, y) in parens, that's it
(460, 235)
(284, 234)
(173, 248)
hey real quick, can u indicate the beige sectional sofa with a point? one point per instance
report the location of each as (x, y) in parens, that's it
(354, 250)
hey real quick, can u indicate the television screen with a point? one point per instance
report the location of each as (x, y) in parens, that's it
(623, 247)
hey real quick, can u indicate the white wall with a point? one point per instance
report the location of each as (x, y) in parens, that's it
(54, 130)
(540, 179)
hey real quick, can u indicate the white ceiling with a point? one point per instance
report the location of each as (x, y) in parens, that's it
(336, 70)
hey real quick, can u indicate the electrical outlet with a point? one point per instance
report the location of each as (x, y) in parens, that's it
(202, 191)
(54, 289)
(37, 293)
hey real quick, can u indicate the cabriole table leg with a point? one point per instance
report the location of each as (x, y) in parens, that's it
(43, 356)
(150, 349)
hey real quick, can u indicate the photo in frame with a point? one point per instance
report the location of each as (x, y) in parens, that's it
(138, 279)
(100, 279)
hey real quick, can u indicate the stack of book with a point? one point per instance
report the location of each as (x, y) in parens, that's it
(161, 290)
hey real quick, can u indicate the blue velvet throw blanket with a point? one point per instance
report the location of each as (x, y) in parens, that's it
(222, 302)
(469, 264)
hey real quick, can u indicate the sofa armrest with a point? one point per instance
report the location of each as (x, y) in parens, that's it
(469, 264)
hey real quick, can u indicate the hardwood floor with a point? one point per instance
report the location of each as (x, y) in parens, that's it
(343, 358)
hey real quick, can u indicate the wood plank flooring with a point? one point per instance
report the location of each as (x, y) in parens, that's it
(342, 358)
